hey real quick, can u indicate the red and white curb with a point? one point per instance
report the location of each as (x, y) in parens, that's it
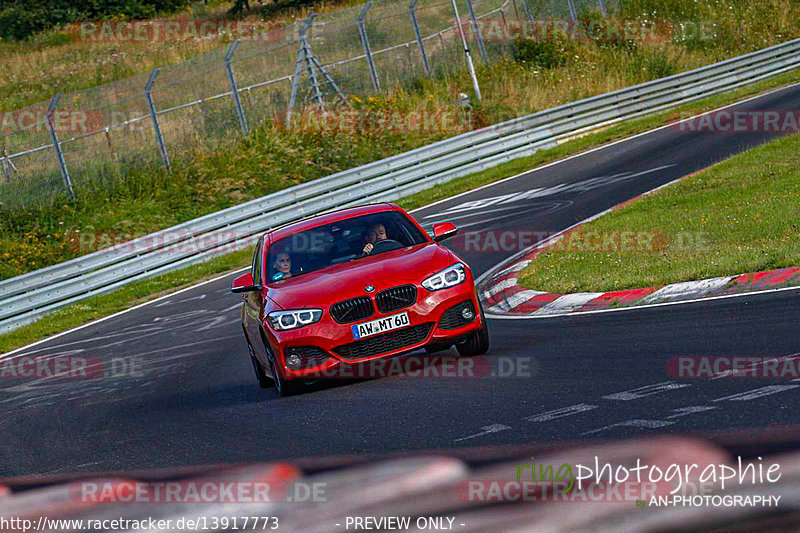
(503, 296)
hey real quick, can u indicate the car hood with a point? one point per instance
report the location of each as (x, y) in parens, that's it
(346, 280)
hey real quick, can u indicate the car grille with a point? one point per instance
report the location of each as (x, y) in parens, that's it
(452, 319)
(310, 356)
(385, 343)
(351, 310)
(396, 298)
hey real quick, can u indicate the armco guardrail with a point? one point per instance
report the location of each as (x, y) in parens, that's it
(26, 298)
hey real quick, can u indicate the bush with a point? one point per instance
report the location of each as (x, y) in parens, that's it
(545, 54)
(22, 18)
(649, 65)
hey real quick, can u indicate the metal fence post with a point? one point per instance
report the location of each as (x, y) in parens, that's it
(481, 48)
(412, 8)
(154, 117)
(298, 68)
(6, 171)
(365, 41)
(470, 66)
(315, 62)
(312, 76)
(110, 146)
(602, 5)
(232, 82)
(62, 165)
(527, 9)
(572, 11)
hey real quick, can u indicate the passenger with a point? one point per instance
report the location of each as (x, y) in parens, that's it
(376, 233)
(282, 266)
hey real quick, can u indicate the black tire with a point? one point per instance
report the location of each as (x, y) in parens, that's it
(478, 342)
(263, 381)
(282, 385)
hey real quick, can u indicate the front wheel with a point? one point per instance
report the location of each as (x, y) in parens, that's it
(478, 341)
(263, 381)
(282, 385)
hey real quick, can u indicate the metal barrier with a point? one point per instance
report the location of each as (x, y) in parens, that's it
(25, 298)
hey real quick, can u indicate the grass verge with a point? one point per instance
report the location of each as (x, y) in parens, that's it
(736, 217)
(142, 291)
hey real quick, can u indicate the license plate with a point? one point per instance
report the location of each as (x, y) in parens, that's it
(381, 325)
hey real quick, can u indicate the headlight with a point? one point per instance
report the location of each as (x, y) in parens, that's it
(295, 318)
(449, 277)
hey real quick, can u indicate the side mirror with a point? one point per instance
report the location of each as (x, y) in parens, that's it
(443, 230)
(244, 283)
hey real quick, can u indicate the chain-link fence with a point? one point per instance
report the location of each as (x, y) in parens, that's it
(76, 143)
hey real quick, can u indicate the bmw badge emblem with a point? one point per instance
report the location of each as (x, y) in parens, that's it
(369, 288)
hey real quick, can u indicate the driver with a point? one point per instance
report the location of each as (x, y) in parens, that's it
(376, 233)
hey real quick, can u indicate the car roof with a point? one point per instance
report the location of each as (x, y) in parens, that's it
(327, 218)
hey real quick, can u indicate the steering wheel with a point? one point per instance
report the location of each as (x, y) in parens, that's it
(385, 245)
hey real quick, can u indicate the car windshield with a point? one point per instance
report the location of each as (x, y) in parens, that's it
(339, 242)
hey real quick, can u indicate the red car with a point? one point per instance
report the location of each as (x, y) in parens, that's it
(351, 286)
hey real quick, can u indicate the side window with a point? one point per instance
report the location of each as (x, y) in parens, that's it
(257, 263)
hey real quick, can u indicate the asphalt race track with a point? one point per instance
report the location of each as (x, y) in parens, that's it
(185, 392)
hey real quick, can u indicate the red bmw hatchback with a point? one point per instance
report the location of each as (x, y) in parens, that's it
(351, 286)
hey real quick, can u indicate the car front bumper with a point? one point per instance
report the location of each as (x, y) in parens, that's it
(430, 324)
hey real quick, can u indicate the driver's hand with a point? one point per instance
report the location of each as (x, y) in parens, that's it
(368, 248)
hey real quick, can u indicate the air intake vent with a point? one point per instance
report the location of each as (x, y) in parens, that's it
(388, 342)
(396, 298)
(453, 317)
(352, 310)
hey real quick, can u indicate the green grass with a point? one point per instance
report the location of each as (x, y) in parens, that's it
(736, 217)
(142, 291)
